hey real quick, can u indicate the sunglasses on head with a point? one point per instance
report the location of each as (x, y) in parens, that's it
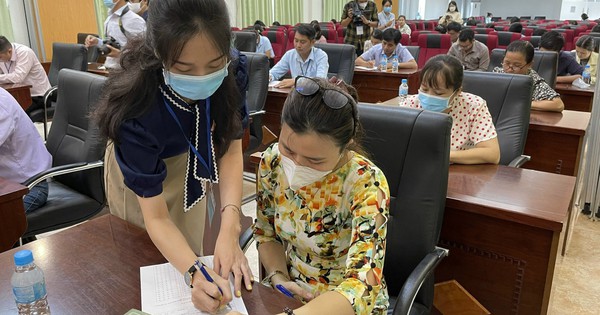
(334, 99)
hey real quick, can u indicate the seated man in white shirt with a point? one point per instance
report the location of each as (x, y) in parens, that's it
(305, 59)
(121, 24)
(390, 46)
(263, 44)
(19, 64)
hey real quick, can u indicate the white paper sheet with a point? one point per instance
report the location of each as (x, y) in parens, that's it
(164, 292)
(274, 83)
(366, 68)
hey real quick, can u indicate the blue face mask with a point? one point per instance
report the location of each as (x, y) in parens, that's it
(433, 103)
(387, 9)
(109, 4)
(196, 87)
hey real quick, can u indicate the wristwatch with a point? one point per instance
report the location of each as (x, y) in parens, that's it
(189, 275)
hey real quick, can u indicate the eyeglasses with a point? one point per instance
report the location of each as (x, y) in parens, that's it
(512, 67)
(334, 99)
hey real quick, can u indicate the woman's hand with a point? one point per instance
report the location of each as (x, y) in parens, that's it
(207, 296)
(291, 286)
(229, 257)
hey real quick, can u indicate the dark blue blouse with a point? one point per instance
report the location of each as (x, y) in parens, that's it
(568, 65)
(148, 139)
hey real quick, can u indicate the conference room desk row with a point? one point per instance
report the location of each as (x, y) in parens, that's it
(12, 213)
(576, 98)
(21, 92)
(94, 268)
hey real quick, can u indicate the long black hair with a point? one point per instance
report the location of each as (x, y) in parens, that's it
(131, 91)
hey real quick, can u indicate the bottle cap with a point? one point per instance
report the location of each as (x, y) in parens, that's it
(23, 257)
(404, 81)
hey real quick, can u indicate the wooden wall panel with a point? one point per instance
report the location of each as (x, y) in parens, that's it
(61, 20)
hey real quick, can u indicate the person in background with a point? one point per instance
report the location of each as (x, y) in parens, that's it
(539, 32)
(517, 60)
(319, 37)
(261, 23)
(121, 24)
(516, 28)
(263, 44)
(376, 38)
(471, 21)
(22, 151)
(584, 17)
(322, 206)
(402, 26)
(140, 7)
(473, 136)
(585, 54)
(453, 29)
(358, 17)
(490, 25)
(386, 17)
(275, 23)
(390, 46)
(451, 15)
(488, 17)
(514, 19)
(473, 54)
(168, 145)
(304, 59)
(568, 69)
(19, 64)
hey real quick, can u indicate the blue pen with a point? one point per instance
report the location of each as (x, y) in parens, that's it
(284, 290)
(206, 275)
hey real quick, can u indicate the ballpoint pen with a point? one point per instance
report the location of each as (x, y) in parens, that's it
(285, 291)
(202, 268)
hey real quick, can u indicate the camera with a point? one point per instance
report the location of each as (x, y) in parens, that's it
(357, 13)
(109, 41)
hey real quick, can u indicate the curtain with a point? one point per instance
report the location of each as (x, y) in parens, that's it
(332, 9)
(101, 15)
(5, 22)
(289, 11)
(252, 10)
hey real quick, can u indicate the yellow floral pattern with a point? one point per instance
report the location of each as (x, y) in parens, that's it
(328, 228)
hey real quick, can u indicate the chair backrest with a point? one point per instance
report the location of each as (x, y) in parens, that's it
(341, 34)
(405, 40)
(508, 98)
(505, 38)
(414, 36)
(330, 34)
(257, 66)
(414, 51)
(278, 39)
(70, 56)
(73, 138)
(432, 45)
(534, 40)
(482, 30)
(341, 60)
(412, 148)
(489, 40)
(527, 31)
(568, 35)
(245, 41)
(92, 54)
(539, 17)
(545, 63)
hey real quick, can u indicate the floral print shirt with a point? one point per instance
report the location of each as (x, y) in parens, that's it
(541, 90)
(328, 228)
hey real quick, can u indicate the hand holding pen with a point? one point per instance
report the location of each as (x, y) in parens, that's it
(222, 297)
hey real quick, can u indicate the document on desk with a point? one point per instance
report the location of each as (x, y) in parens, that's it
(164, 292)
(274, 83)
(366, 68)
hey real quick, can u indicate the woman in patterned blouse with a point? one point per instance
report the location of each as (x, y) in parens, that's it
(518, 60)
(473, 136)
(322, 206)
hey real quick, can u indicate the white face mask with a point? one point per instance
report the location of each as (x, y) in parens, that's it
(300, 176)
(134, 7)
(363, 5)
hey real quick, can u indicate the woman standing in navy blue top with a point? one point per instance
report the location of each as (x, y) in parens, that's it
(174, 115)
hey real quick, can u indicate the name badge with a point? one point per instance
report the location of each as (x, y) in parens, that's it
(359, 30)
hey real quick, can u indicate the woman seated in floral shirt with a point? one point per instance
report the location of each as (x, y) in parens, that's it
(322, 206)
(518, 60)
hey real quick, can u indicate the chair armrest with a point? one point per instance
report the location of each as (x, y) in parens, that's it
(415, 280)
(61, 170)
(519, 161)
(257, 112)
(50, 95)
(246, 239)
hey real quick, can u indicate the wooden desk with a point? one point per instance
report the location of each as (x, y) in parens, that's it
(273, 106)
(20, 92)
(576, 98)
(93, 68)
(502, 226)
(94, 268)
(375, 86)
(555, 141)
(13, 223)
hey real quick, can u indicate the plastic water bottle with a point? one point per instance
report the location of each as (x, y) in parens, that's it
(418, 16)
(394, 63)
(587, 74)
(29, 286)
(383, 62)
(403, 91)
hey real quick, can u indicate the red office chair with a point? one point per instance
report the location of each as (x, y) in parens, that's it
(505, 38)
(568, 35)
(491, 41)
(431, 45)
(279, 41)
(414, 36)
(405, 40)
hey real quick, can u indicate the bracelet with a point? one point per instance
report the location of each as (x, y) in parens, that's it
(267, 279)
(288, 311)
(236, 208)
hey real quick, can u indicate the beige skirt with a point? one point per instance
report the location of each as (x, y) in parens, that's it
(123, 202)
